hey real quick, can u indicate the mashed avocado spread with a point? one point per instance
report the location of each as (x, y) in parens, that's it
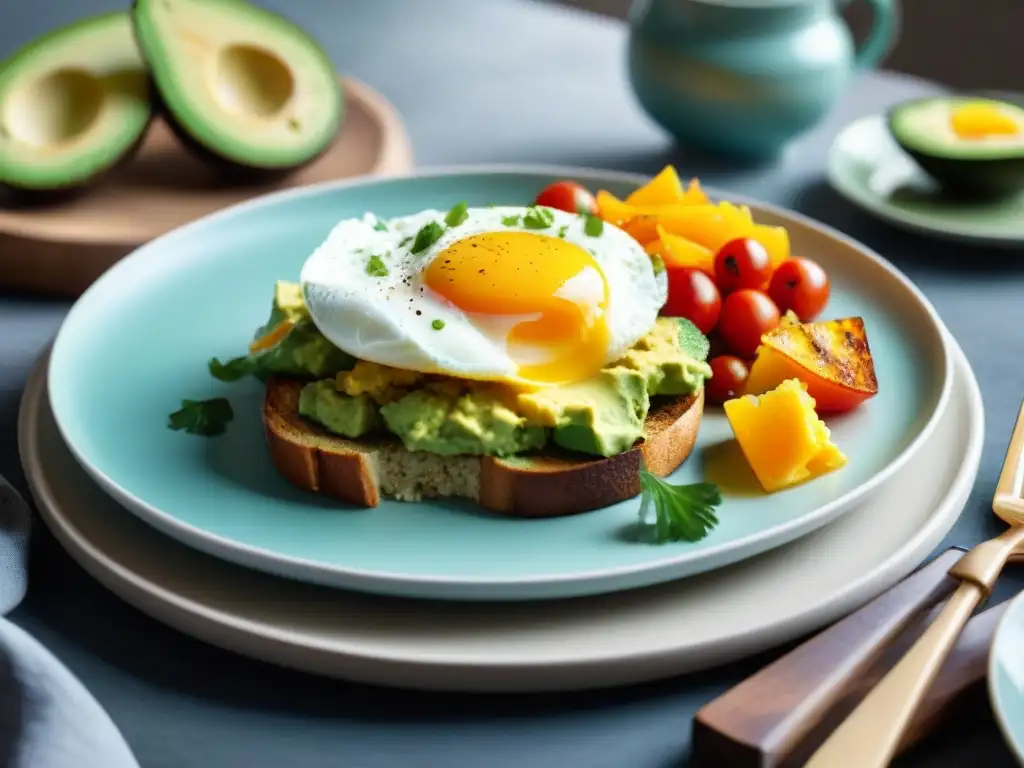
(602, 415)
(342, 414)
(302, 350)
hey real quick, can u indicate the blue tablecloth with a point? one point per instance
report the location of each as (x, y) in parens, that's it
(454, 68)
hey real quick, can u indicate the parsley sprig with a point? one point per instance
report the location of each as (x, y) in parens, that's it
(202, 417)
(233, 370)
(681, 512)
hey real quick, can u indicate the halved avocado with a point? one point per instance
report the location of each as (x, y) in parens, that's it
(240, 85)
(73, 104)
(970, 146)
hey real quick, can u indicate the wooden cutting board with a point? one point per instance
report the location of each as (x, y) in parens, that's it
(61, 248)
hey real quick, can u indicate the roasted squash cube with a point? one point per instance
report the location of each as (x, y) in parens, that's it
(782, 437)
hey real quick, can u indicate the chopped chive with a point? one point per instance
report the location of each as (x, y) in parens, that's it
(538, 218)
(437, 325)
(593, 226)
(376, 267)
(456, 215)
(429, 234)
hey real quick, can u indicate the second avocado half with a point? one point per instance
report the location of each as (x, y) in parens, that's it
(240, 85)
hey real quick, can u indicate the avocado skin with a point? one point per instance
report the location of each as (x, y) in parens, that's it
(15, 196)
(231, 170)
(974, 177)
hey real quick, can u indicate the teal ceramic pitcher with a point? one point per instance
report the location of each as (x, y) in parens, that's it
(744, 77)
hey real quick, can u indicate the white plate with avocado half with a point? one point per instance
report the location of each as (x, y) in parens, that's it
(139, 341)
(913, 169)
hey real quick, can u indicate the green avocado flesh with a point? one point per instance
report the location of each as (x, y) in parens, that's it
(982, 164)
(603, 415)
(239, 83)
(72, 105)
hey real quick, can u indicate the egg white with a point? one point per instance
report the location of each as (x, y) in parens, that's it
(390, 319)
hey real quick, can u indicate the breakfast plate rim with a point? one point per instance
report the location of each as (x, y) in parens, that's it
(622, 663)
(906, 220)
(534, 585)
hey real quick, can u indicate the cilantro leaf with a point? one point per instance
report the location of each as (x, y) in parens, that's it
(233, 370)
(681, 512)
(510, 221)
(206, 418)
(593, 226)
(457, 214)
(376, 267)
(381, 225)
(429, 234)
(538, 218)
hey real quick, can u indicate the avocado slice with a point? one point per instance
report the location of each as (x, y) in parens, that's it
(239, 85)
(73, 105)
(970, 146)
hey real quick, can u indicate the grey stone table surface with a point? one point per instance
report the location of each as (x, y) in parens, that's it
(496, 81)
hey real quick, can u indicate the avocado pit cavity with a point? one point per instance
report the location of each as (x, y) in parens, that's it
(252, 81)
(55, 108)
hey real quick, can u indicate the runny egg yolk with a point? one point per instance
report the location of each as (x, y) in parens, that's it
(978, 121)
(551, 290)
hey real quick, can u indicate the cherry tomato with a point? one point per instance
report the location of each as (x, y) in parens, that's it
(728, 375)
(801, 285)
(746, 316)
(693, 295)
(742, 263)
(567, 196)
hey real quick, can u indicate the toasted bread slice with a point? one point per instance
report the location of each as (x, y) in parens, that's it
(557, 483)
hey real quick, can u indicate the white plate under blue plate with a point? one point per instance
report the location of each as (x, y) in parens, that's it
(590, 642)
(868, 168)
(1006, 676)
(137, 342)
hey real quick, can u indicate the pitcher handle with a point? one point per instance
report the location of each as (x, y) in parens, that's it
(884, 27)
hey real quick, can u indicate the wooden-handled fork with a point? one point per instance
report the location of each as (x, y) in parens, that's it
(868, 738)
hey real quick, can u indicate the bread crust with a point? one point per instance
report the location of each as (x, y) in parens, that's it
(556, 484)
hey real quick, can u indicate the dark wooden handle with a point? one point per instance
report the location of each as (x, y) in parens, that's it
(777, 717)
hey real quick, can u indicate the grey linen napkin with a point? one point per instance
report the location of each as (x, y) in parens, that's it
(47, 717)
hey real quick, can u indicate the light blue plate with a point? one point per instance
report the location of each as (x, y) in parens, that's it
(137, 342)
(1006, 676)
